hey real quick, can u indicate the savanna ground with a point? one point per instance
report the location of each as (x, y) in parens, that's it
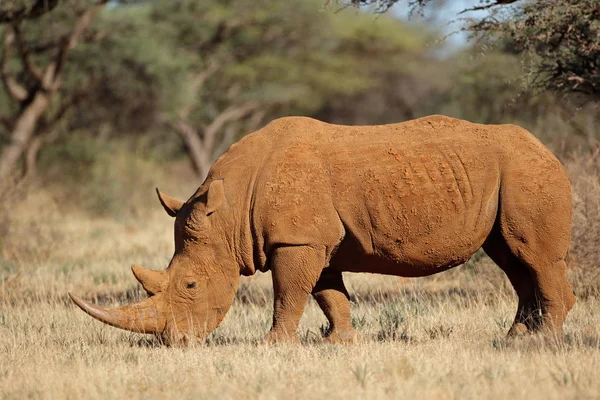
(436, 337)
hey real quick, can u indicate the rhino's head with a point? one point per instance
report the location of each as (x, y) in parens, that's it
(190, 298)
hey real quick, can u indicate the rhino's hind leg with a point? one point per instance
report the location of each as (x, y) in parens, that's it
(333, 298)
(295, 271)
(528, 317)
(556, 295)
(535, 223)
(545, 296)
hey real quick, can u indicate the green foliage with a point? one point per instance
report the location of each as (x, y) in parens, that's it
(138, 65)
(137, 69)
(492, 87)
(136, 72)
(289, 55)
(103, 177)
(486, 88)
(560, 37)
(359, 322)
(131, 75)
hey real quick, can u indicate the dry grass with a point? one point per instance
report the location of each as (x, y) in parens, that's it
(436, 337)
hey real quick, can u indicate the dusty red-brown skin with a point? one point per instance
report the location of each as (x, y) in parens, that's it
(309, 200)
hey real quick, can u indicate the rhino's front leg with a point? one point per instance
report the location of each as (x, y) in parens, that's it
(295, 271)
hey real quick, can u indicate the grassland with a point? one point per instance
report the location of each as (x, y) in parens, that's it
(436, 337)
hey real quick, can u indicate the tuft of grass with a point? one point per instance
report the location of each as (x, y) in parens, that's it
(392, 323)
(359, 322)
(439, 332)
(361, 374)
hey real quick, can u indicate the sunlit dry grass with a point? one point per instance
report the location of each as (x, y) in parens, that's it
(436, 337)
(445, 347)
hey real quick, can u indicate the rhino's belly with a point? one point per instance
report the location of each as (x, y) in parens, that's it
(416, 235)
(349, 258)
(394, 252)
(417, 213)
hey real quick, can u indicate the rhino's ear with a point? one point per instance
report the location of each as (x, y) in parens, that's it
(215, 196)
(170, 204)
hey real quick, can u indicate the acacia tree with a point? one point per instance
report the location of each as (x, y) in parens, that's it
(560, 38)
(251, 61)
(417, 5)
(209, 71)
(242, 49)
(33, 75)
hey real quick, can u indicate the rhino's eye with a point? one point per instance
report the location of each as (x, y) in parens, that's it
(191, 285)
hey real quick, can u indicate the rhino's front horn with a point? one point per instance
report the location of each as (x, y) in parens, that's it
(152, 281)
(142, 317)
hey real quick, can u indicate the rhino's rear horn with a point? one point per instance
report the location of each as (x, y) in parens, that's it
(152, 281)
(170, 204)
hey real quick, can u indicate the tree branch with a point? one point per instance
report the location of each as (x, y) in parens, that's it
(24, 53)
(196, 84)
(39, 8)
(488, 6)
(199, 153)
(224, 31)
(47, 135)
(229, 135)
(54, 69)
(6, 123)
(14, 89)
(231, 113)
(48, 124)
(382, 6)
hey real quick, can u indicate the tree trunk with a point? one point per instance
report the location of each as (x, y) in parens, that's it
(200, 148)
(197, 151)
(22, 133)
(30, 167)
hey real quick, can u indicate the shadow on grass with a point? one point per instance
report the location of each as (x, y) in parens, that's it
(154, 341)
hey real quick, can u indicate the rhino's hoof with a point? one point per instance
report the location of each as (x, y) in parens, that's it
(518, 330)
(343, 337)
(280, 338)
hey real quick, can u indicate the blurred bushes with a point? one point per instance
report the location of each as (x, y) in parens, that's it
(82, 181)
(116, 143)
(28, 216)
(584, 256)
(113, 178)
